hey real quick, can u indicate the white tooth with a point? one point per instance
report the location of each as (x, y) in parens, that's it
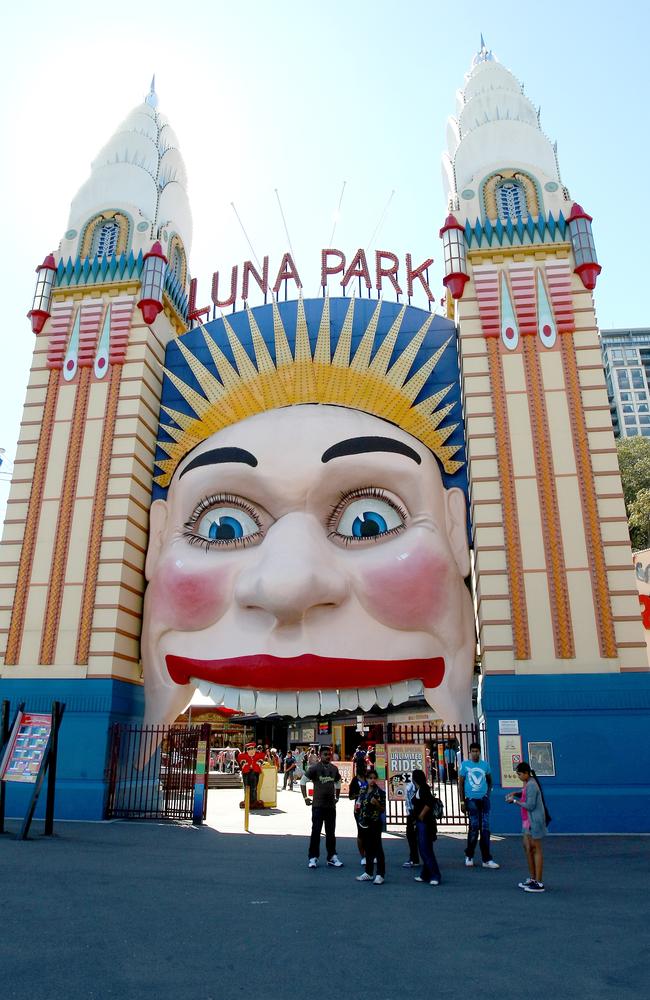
(367, 698)
(349, 699)
(217, 692)
(400, 692)
(247, 700)
(308, 703)
(383, 696)
(415, 688)
(204, 687)
(231, 698)
(266, 703)
(287, 703)
(329, 702)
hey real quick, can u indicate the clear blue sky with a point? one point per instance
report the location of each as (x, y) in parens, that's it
(302, 96)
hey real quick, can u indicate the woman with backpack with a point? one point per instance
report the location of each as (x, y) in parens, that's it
(534, 817)
(371, 808)
(423, 810)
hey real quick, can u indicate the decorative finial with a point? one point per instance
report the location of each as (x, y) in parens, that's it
(152, 97)
(483, 45)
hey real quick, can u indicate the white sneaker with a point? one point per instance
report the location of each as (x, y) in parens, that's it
(434, 882)
(313, 863)
(364, 878)
(334, 862)
(490, 864)
(379, 880)
(469, 862)
(363, 862)
(409, 864)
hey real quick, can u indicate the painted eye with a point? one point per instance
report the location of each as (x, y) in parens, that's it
(226, 524)
(368, 517)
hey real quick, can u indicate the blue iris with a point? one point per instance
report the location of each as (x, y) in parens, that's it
(225, 529)
(371, 524)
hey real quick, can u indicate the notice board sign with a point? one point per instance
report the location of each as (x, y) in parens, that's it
(346, 770)
(402, 760)
(25, 752)
(510, 754)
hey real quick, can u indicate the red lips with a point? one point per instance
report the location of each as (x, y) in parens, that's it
(305, 673)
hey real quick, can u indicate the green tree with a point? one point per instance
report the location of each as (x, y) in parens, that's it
(634, 463)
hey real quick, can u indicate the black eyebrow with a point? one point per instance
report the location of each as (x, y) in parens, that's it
(361, 445)
(219, 455)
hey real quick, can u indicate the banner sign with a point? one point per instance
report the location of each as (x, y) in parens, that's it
(24, 755)
(346, 770)
(403, 759)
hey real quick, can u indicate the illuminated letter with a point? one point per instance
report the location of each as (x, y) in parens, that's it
(357, 269)
(418, 272)
(233, 289)
(192, 311)
(325, 269)
(387, 272)
(288, 272)
(261, 279)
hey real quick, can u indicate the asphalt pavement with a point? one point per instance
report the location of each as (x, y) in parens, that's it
(127, 910)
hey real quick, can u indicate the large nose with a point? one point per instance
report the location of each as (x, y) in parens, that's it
(297, 571)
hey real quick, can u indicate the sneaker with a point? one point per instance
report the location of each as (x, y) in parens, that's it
(469, 862)
(362, 862)
(490, 864)
(522, 885)
(409, 864)
(313, 863)
(379, 880)
(434, 882)
(334, 862)
(534, 887)
(418, 878)
(365, 877)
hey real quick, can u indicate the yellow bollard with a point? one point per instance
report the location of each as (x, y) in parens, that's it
(247, 805)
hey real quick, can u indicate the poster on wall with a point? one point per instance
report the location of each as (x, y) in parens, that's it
(541, 759)
(26, 749)
(402, 760)
(510, 754)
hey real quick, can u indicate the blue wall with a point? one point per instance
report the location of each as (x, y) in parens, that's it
(599, 725)
(92, 706)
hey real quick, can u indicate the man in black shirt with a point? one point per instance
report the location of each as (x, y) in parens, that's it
(327, 788)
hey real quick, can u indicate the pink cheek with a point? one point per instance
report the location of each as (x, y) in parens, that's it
(186, 598)
(405, 592)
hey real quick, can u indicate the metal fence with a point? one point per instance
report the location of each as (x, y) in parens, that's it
(446, 747)
(153, 772)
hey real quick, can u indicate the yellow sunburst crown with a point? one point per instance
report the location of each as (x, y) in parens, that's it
(365, 380)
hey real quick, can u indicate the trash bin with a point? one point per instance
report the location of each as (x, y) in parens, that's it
(267, 789)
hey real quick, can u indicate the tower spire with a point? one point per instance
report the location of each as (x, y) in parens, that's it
(152, 97)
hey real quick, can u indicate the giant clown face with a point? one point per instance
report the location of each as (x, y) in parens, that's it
(308, 559)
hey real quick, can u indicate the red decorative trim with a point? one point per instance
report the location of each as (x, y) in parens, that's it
(514, 567)
(558, 279)
(121, 316)
(486, 282)
(59, 333)
(89, 321)
(522, 283)
(32, 520)
(52, 615)
(551, 528)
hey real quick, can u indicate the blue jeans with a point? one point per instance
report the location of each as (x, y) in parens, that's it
(478, 811)
(430, 869)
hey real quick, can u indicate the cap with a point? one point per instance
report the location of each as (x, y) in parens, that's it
(250, 746)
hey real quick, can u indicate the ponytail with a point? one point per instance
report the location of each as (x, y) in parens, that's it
(547, 815)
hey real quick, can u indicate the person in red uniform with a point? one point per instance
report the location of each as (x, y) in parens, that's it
(250, 763)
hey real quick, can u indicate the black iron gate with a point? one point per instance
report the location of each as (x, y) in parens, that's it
(158, 772)
(446, 746)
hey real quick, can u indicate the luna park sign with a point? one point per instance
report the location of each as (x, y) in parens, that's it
(388, 273)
